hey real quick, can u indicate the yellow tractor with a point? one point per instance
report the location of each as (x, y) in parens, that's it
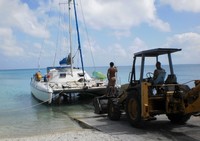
(142, 99)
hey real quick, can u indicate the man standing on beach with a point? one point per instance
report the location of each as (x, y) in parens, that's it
(111, 75)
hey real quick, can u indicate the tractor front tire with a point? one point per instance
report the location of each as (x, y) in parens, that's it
(133, 108)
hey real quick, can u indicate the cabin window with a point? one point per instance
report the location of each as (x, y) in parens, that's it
(62, 75)
(81, 74)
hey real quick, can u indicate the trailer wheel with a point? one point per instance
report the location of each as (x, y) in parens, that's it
(178, 118)
(114, 112)
(133, 108)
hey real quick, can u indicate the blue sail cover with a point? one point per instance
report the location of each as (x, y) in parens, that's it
(66, 60)
(63, 61)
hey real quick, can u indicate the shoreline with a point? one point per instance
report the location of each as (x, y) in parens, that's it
(75, 135)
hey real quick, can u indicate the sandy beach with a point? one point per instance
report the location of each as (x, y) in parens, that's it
(76, 135)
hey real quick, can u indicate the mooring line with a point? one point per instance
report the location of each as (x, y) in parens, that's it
(29, 107)
(22, 109)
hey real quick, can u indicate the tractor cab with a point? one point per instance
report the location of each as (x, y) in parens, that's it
(153, 53)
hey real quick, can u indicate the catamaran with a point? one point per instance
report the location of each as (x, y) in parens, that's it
(63, 80)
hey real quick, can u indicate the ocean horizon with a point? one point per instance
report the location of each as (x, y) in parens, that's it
(1, 69)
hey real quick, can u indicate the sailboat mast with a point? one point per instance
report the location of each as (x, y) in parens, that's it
(79, 44)
(70, 37)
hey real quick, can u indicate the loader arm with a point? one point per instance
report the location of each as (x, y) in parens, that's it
(192, 99)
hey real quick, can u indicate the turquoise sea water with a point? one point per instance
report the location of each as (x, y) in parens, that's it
(21, 115)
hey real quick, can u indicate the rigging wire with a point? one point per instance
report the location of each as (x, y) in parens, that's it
(57, 40)
(69, 42)
(86, 32)
(61, 32)
(40, 53)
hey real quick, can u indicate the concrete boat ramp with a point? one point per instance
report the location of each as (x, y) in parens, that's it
(157, 130)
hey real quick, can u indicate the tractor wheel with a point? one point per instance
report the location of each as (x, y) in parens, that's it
(133, 108)
(178, 118)
(114, 112)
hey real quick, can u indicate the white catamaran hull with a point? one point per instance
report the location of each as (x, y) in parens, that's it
(60, 82)
(41, 91)
(45, 93)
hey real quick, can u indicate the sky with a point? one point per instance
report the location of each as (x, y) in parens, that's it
(110, 30)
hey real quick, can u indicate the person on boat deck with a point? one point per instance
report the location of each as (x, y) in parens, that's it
(111, 75)
(159, 74)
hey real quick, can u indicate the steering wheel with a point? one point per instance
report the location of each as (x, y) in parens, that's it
(149, 75)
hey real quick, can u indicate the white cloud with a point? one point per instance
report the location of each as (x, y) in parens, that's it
(116, 52)
(18, 15)
(183, 5)
(138, 45)
(5, 33)
(9, 45)
(188, 42)
(118, 14)
(185, 39)
(157, 23)
(190, 45)
(122, 33)
(103, 55)
(19, 22)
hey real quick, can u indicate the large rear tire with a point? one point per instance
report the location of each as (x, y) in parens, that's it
(178, 118)
(133, 108)
(114, 112)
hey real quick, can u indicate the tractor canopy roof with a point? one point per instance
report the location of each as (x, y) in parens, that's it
(156, 52)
